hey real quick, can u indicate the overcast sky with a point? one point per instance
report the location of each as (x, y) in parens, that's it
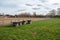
(17, 6)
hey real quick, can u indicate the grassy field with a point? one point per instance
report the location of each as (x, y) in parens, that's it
(38, 30)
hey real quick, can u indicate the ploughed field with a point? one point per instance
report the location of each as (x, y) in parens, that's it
(38, 30)
(6, 20)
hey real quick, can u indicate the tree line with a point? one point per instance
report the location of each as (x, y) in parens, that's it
(51, 14)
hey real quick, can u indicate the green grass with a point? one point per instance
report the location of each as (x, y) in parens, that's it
(39, 30)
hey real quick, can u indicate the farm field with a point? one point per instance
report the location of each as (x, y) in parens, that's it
(39, 30)
(6, 20)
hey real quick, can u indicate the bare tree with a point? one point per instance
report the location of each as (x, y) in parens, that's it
(34, 14)
(58, 11)
(52, 13)
(24, 15)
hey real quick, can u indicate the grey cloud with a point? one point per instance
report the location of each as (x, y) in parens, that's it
(39, 5)
(20, 10)
(35, 8)
(42, 0)
(55, 3)
(28, 4)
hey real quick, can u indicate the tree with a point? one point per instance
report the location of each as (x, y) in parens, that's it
(24, 15)
(52, 13)
(58, 11)
(34, 14)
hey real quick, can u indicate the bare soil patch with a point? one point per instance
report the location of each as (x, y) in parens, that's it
(5, 21)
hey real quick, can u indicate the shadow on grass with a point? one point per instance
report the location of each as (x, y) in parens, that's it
(7, 26)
